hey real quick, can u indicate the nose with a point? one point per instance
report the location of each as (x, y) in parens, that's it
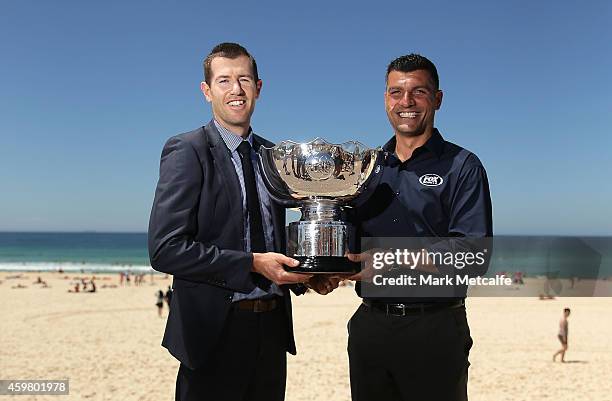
(236, 88)
(407, 99)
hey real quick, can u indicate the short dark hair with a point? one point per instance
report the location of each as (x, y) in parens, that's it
(566, 310)
(412, 62)
(227, 50)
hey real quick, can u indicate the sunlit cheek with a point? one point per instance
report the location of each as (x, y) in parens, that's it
(224, 86)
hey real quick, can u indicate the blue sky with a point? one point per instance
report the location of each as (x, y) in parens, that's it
(91, 91)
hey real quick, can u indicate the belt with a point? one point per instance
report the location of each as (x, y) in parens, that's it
(411, 309)
(257, 305)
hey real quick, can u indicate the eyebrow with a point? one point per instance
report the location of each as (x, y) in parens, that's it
(416, 87)
(239, 76)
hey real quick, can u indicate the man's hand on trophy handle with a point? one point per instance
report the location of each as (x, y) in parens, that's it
(270, 265)
(367, 271)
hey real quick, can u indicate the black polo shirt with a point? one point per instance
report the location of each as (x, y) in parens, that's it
(441, 191)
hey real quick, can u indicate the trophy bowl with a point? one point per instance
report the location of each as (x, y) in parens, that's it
(321, 178)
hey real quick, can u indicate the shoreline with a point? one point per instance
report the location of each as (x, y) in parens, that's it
(53, 267)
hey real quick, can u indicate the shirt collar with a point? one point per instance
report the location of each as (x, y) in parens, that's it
(231, 139)
(434, 144)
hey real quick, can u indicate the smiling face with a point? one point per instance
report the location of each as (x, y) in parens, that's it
(411, 101)
(232, 92)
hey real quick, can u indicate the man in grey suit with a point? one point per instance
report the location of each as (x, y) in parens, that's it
(214, 227)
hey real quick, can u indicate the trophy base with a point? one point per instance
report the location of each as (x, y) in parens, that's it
(324, 265)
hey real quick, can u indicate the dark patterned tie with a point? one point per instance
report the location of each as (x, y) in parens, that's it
(256, 231)
(258, 242)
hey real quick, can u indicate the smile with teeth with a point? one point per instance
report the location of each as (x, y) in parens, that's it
(408, 114)
(236, 102)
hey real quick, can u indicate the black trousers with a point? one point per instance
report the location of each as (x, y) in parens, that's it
(420, 358)
(250, 363)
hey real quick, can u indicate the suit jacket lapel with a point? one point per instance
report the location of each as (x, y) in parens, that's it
(226, 170)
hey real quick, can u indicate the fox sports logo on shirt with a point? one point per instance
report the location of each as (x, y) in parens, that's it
(431, 180)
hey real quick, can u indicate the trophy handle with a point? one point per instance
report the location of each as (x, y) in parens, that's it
(277, 188)
(366, 189)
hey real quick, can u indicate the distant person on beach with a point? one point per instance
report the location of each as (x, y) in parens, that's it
(76, 288)
(518, 278)
(563, 334)
(216, 229)
(168, 296)
(41, 281)
(160, 302)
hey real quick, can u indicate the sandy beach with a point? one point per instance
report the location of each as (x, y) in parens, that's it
(108, 343)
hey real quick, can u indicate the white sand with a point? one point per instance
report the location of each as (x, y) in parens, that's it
(108, 344)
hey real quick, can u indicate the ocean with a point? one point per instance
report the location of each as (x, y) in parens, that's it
(98, 252)
(584, 257)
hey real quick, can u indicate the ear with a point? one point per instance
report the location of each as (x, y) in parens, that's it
(206, 91)
(258, 86)
(438, 99)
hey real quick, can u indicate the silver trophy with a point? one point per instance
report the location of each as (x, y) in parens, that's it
(320, 178)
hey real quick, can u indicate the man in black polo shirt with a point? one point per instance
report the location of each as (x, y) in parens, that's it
(416, 348)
